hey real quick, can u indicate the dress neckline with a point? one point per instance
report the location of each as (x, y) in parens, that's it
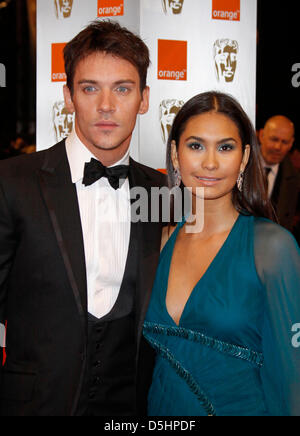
(207, 272)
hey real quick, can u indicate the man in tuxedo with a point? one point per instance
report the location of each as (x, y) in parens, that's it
(76, 272)
(276, 139)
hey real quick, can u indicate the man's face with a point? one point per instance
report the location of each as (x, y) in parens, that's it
(226, 62)
(176, 6)
(276, 140)
(65, 7)
(106, 100)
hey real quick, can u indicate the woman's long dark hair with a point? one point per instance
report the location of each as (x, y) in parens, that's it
(253, 199)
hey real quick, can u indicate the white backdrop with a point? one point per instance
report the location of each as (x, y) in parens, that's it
(186, 38)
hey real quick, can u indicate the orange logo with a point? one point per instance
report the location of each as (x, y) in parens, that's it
(58, 65)
(110, 8)
(172, 60)
(226, 10)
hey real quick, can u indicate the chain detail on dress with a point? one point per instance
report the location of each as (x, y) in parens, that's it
(243, 353)
(184, 374)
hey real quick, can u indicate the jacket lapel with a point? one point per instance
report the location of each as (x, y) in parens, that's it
(285, 195)
(61, 200)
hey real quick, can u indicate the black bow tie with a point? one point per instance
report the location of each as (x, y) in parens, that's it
(94, 170)
(268, 170)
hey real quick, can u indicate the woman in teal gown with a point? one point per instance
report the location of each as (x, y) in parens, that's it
(231, 345)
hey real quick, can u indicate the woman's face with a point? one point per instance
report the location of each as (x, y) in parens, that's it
(210, 155)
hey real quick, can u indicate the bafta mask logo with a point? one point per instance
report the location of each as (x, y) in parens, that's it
(63, 8)
(175, 6)
(63, 121)
(168, 109)
(225, 54)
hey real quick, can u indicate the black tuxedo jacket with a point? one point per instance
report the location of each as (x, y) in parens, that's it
(43, 286)
(285, 195)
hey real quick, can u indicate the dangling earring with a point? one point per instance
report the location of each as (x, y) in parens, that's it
(177, 177)
(240, 181)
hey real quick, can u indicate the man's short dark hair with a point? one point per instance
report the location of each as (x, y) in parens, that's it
(109, 37)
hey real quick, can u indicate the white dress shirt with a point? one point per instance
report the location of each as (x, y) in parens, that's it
(105, 219)
(271, 177)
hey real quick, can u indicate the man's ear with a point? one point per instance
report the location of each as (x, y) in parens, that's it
(260, 135)
(291, 143)
(144, 106)
(68, 99)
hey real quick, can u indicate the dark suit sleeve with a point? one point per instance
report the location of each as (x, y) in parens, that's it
(7, 251)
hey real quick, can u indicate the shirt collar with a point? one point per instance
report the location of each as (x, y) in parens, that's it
(78, 154)
(273, 168)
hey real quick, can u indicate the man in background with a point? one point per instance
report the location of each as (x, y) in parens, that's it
(277, 139)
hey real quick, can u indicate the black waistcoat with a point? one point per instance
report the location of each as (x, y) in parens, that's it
(109, 385)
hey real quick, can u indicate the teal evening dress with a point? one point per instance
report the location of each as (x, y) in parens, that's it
(236, 351)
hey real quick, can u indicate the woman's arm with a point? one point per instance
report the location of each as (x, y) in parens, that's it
(277, 258)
